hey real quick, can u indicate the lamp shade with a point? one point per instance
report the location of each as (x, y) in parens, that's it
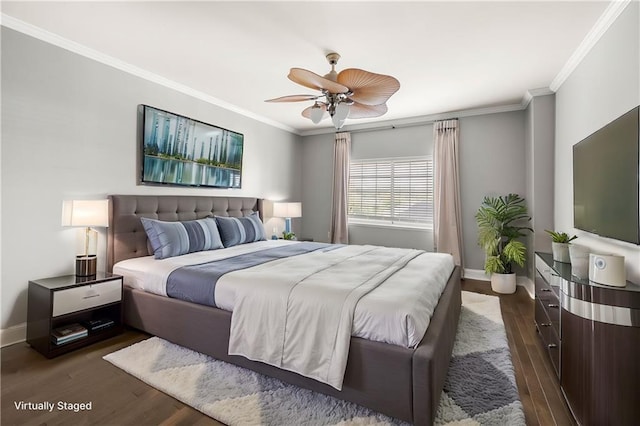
(287, 210)
(85, 213)
(317, 112)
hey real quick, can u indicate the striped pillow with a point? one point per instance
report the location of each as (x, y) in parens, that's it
(240, 230)
(170, 239)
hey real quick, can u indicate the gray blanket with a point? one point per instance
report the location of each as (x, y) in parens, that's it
(197, 283)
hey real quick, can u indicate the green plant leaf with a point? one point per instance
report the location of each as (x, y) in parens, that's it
(493, 264)
(516, 252)
(501, 221)
(560, 237)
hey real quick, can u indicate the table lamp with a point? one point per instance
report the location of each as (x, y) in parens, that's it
(287, 211)
(86, 213)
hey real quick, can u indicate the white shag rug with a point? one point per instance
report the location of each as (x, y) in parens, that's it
(480, 388)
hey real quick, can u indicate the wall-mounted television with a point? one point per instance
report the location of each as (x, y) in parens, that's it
(606, 174)
(177, 150)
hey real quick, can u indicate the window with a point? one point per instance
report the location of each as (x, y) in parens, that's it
(396, 191)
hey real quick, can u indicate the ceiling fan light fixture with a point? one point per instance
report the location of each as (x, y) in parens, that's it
(317, 112)
(337, 123)
(342, 111)
(340, 114)
(351, 93)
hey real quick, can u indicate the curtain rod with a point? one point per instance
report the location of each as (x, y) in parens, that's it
(396, 126)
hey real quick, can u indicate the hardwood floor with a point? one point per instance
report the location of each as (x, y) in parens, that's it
(118, 398)
(537, 384)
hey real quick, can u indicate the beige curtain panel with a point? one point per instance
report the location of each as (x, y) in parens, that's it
(339, 231)
(447, 208)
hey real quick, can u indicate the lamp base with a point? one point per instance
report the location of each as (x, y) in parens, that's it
(86, 265)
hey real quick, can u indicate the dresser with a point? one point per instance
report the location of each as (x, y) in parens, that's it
(591, 334)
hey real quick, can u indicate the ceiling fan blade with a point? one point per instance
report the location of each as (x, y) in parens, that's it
(314, 81)
(368, 88)
(294, 98)
(306, 113)
(358, 110)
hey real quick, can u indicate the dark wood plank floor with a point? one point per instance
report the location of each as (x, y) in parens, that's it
(537, 384)
(120, 399)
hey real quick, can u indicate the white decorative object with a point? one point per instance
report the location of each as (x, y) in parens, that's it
(560, 252)
(607, 269)
(503, 283)
(579, 256)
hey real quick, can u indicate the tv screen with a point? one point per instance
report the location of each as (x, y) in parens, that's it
(605, 180)
(177, 150)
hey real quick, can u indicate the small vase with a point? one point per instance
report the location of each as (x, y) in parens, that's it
(560, 252)
(579, 256)
(503, 283)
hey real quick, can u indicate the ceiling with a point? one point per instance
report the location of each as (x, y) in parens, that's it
(448, 56)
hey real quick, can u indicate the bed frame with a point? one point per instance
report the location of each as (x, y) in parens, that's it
(400, 382)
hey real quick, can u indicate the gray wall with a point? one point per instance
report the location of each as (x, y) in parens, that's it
(540, 129)
(604, 86)
(492, 162)
(69, 131)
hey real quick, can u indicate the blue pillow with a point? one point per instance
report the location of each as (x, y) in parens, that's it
(240, 230)
(170, 239)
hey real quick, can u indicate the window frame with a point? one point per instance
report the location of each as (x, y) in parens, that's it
(391, 221)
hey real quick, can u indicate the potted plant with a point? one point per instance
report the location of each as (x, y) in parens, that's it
(288, 235)
(500, 222)
(560, 245)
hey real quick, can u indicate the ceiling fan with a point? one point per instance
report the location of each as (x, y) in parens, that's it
(351, 93)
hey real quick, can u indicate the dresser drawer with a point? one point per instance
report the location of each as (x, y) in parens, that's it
(85, 297)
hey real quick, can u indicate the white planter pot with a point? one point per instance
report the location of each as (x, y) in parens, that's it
(503, 283)
(561, 252)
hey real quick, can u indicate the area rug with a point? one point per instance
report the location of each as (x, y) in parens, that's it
(480, 388)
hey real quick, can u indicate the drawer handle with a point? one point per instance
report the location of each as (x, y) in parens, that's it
(546, 324)
(552, 346)
(552, 305)
(545, 289)
(91, 295)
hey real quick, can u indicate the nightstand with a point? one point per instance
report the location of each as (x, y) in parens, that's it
(60, 302)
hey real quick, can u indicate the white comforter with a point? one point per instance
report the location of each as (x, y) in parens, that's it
(297, 313)
(397, 311)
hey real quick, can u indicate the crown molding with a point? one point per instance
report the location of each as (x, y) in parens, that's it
(415, 121)
(601, 26)
(532, 93)
(72, 46)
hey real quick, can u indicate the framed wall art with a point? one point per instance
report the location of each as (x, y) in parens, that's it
(177, 150)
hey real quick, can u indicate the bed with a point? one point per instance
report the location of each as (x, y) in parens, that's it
(401, 382)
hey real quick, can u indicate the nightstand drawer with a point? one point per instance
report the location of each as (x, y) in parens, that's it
(85, 297)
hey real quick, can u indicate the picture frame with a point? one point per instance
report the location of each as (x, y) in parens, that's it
(180, 151)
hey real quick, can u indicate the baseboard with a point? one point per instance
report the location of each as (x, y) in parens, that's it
(476, 274)
(12, 335)
(528, 285)
(480, 275)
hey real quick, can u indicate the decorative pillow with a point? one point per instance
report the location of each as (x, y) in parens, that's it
(240, 230)
(170, 239)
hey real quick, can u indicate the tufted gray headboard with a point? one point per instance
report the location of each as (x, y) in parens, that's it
(126, 237)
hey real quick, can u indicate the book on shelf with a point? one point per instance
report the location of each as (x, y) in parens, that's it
(98, 324)
(68, 333)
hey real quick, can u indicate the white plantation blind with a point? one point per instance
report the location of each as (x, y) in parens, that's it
(392, 191)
